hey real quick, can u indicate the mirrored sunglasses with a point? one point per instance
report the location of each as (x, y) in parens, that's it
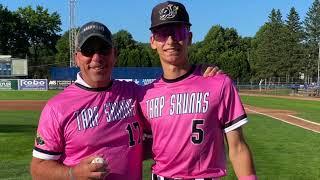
(178, 33)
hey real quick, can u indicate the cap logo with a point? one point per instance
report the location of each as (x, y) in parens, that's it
(99, 28)
(168, 12)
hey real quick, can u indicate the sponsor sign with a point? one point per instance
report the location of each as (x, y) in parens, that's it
(8, 84)
(59, 84)
(33, 84)
(143, 82)
(128, 80)
(5, 85)
(147, 81)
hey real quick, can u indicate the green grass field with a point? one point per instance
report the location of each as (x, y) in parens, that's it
(27, 95)
(275, 92)
(17, 132)
(306, 109)
(281, 151)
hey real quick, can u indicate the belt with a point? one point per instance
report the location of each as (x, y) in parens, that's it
(158, 177)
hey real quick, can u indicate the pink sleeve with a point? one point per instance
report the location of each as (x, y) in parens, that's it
(49, 141)
(231, 112)
(140, 92)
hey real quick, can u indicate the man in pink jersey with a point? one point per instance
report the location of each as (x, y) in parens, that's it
(96, 116)
(190, 115)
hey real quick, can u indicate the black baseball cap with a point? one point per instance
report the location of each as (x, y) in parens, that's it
(93, 29)
(169, 12)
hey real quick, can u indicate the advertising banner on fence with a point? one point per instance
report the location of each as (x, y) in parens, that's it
(60, 84)
(33, 84)
(6, 84)
(141, 82)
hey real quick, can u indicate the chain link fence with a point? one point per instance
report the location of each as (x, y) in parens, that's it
(296, 88)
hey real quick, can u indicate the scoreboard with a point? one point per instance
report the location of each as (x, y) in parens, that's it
(10, 67)
(5, 65)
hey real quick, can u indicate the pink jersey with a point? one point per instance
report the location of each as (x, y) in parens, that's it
(188, 118)
(80, 122)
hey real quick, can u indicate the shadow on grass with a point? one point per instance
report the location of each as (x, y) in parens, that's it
(9, 128)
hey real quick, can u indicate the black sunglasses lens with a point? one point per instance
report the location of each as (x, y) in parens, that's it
(87, 52)
(104, 51)
(90, 51)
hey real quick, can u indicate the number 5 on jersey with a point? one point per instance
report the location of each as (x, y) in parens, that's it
(197, 132)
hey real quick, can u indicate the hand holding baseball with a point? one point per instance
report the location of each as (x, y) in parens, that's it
(98, 160)
(93, 167)
(100, 164)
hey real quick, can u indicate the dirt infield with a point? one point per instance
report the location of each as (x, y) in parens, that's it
(19, 105)
(282, 115)
(285, 116)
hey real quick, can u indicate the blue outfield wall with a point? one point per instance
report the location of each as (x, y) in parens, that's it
(117, 73)
(63, 73)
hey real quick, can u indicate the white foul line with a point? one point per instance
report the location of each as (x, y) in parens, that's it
(283, 120)
(304, 120)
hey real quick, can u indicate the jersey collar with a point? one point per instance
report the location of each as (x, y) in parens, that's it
(193, 67)
(83, 85)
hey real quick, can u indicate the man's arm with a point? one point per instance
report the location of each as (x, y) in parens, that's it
(51, 169)
(147, 146)
(240, 155)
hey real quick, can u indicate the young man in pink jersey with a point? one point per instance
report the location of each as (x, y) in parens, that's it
(96, 116)
(190, 115)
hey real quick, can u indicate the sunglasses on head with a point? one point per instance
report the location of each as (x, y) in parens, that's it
(178, 33)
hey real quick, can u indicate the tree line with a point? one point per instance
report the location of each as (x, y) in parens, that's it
(282, 47)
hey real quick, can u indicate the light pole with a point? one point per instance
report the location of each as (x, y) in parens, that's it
(72, 30)
(318, 82)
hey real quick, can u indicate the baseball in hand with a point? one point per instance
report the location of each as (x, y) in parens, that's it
(97, 160)
(100, 160)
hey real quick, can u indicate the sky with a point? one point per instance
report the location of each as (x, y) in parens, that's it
(246, 16)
